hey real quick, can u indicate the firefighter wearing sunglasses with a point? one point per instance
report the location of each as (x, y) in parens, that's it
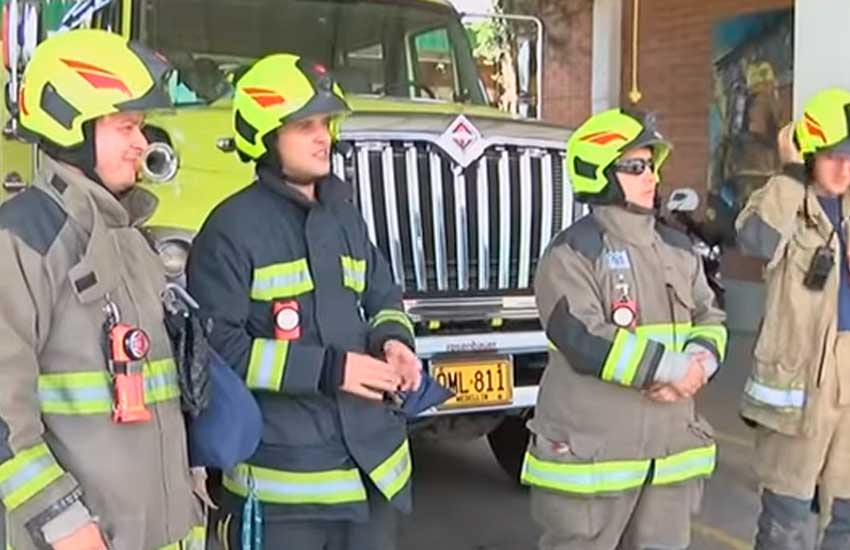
(618, 455)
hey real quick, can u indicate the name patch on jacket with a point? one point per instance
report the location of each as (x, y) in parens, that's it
(618, 259)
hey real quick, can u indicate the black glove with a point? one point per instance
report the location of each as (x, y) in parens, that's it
(188, 334)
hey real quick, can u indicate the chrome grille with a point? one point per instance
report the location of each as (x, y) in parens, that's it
(446, 230)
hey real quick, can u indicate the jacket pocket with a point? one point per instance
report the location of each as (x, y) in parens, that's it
(576, 466)
(792, 325)
(777, 386)
(576, 447)
(802, 248)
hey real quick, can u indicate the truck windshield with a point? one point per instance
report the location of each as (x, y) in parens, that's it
(396, 48)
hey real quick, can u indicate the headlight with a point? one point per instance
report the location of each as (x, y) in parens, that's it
(159, 163)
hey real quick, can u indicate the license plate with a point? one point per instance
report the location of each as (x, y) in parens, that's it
(476, 383)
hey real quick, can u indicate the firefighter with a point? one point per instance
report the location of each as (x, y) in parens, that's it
(798, 394)
(93, 452)
(304, 307)
(618, 454)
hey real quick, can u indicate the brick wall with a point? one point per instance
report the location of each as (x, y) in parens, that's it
(568, 25)
(675, 75)
(675, 71)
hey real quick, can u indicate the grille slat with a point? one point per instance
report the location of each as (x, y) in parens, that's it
(417, 234)
(483, 210)
(438, 217)
(461, 230)
(364, 187)
(390, 204)
(546, 202)
(446, 230)
(526, 210)
(504, 220)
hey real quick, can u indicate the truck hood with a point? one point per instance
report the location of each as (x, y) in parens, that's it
(196, 131)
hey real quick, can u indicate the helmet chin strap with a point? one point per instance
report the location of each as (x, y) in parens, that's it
(271, 161)
(271, 158)
(82, 156)
(637, 209)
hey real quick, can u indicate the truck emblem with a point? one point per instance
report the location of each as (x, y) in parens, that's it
(462, 141)
(464, 133)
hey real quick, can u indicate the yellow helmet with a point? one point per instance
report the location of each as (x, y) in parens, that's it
(81, 75)
(825, 122)
(278, 89)
(596, 145)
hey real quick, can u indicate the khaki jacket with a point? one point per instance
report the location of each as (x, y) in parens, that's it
(67, 246)
(798, 329)
(596, 432)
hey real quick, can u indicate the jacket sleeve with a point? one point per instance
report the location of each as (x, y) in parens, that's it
(575, 319)
(220, 277)
(382, 302)
(767, 221)
(708, 331)
(39, 496)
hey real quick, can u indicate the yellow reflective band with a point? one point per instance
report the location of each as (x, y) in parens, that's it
(617, 475)
(161, 383)
(623, 360)
(789, 399)
(91, 392)
(672, 336)
(393, 474)
(354, 274)
(600, 477)
(267, 364)
(26, 474)
(717, 334)
(682, 466)
(195, 540)
(285, 487)
(393, 316)
(284, 280)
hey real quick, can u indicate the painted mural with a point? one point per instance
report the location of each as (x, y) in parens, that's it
(752, 99)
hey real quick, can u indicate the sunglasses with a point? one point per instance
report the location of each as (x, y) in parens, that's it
(634, 167)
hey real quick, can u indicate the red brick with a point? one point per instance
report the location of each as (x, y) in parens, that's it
(567, 60)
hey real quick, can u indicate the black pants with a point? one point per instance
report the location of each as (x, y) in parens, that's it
(785, 521)
(379, 533)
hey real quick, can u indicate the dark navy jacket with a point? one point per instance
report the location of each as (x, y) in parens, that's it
(268, 257)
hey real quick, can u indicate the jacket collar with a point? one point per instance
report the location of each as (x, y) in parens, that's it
(329, 190)
(629, 224)
(81, 197)
(817, 215)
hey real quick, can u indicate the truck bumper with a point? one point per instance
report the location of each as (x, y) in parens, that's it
(509, 343)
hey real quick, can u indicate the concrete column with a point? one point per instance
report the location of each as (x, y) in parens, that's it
(607, 53)
(821, 48)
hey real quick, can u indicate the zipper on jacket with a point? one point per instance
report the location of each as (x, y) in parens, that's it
(670, 292)
(160, 428)
(822, 359)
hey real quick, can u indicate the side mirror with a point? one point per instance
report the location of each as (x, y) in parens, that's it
(683, 200)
